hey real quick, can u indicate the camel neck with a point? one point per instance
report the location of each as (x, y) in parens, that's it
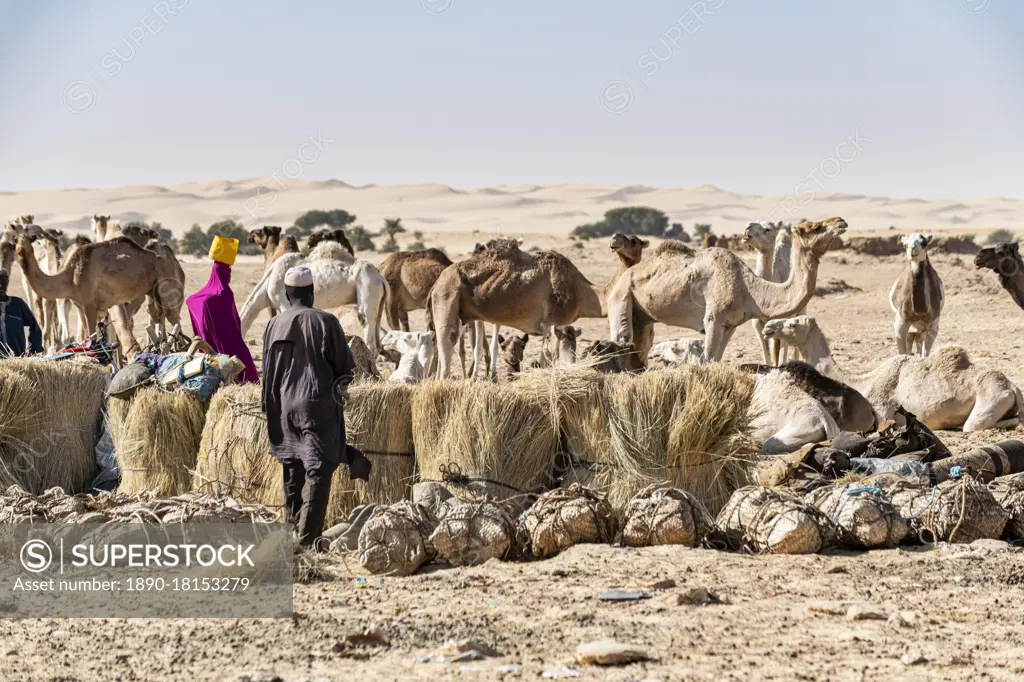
(46, 286)
(763, 264)
(788, 298)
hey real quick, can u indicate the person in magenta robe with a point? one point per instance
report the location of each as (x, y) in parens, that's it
(214, 316)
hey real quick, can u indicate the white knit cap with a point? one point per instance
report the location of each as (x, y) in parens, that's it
(299, 277)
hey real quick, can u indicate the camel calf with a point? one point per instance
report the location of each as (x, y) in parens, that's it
(916, 298)
(417, 349)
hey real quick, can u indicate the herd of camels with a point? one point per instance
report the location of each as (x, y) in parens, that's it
(801, 396)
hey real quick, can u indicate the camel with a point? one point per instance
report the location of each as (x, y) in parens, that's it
(330, 234)
(609, 357)
(944, 390)
(559, 348)
(104, 230)
(1004, 260)
(774, 248)
(269, 239)
(410, 275)
(850, 410)
(172, 289)
(506, 286)
(338, 279)
(916, 298)
(513, 348)
(51, 314)
(416, 348)
(713, 291)
(676, 352)
(784, 417)
(102, 276)
(8, 244)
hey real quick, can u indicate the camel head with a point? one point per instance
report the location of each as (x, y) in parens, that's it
(793, 330)
(512, 349)
(565, 343)
(678, 352)
(8, 244)
(759, 237)
(99, 225)
(335, 234)
(1003, 258)
(82, 240)
(25, 220)
(406, 342)
(264, 235)
(502, 246)
(24, 249)
(630, 249)
(610, 357)
(136, 234)
(818, 236)
(916, 247)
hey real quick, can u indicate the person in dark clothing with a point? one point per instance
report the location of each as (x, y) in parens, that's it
(307, 368)
(15, 315)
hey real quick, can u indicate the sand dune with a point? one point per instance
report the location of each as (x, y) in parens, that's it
(520, 209)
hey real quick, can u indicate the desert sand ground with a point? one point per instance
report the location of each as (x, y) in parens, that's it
(536, 614)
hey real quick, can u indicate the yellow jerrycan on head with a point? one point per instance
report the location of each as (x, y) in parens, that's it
(224, 249)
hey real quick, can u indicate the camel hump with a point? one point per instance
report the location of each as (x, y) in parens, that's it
(948, 359)
(674, 247)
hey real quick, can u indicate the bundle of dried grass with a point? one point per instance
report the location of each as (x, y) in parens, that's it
(234, 455)
(687, 426)
(49, 422)
(863, 516)
(378, 421)
(665, 516)
(156, 438)
(960, 510)
(770, 522)
(493, 440)
(470, 533)
(234, 452)
(395, 540)
(565, 517)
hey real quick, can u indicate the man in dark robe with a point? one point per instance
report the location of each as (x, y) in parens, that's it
(15, 316)
(307, 368)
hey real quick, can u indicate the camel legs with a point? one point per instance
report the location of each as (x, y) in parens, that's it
(794, 435)
(928, 338)
(766, 350)
(123, 328)
(901, 328)
(492, 369)
(991, 408)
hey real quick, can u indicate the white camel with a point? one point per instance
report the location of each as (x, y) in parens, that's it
(416, 348)
(784, 417)
(53, 314)
(676, 352)
(773, 246)
(944, 390)
(338, 279)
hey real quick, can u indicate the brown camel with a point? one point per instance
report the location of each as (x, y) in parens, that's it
(506, 286)
(916, 298)
(103, 276)
(410, 275)
(1004, 260)
(713, 291)
(171, 289)
(335, 234)
(269, 239)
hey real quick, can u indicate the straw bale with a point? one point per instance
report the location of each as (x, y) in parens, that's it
(665, 516)
(395, 540)
(565, 517)
(493, 440)
(49, 422)
(863, 516)
(687, 426)
(470, 533)
(770, 522)
(960, 510)
(156, 438)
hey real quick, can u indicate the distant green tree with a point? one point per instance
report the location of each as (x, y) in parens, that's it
(392, 228)
(360, 238)
(310, 220)
(230, 228)
(1000, 237)
(701, 229)
(163, 233)
(195, 241)
(632, 220)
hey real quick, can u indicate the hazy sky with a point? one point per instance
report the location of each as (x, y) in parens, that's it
(752, 98)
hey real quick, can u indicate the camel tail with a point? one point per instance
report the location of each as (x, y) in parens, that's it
(384, 306)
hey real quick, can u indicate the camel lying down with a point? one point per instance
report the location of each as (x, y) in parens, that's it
(944, 390)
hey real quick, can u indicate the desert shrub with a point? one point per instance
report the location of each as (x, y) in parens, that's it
(999, 237)
(635, 220)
